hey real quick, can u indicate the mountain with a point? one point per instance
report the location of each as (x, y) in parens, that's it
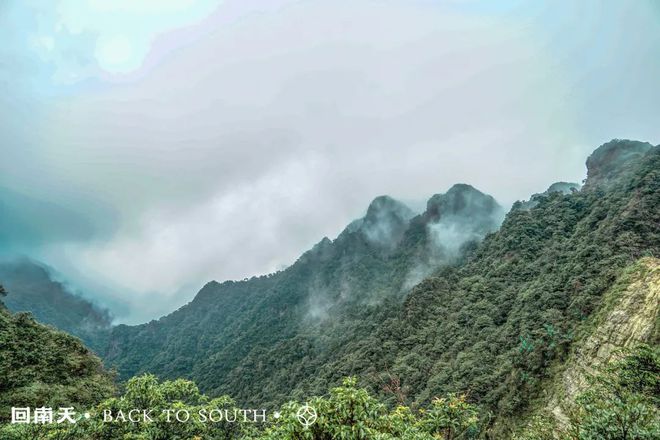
(34, 289)
(385, 222)
(495, 325)
(563, 187)
(560, 187)
(611, 159)
(44, 367)
(519, 330)
(488, 318)
(242, 338)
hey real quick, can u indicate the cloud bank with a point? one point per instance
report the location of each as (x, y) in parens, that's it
(149, 148)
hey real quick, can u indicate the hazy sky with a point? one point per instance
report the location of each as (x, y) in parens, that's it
(149, 146)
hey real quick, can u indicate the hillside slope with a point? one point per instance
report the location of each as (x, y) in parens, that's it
(616, 352)
(241, 338)
(41, 366)
(34, 290)
(628, 317)
(494, 326)
(490, 321)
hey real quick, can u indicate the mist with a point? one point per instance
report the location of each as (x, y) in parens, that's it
(194, 140)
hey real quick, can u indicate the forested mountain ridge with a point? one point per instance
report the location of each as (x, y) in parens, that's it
(34, 290)
(490, 322)
(493, 326)
(304, 313)
(557, 288)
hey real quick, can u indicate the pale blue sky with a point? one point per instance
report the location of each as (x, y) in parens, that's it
(149, 146)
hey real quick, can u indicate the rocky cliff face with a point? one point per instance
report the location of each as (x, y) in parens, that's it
(611, 159)
(563, 188)
(629, 316)
(385, 222)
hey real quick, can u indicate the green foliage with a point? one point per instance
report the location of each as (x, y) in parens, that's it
(348, 413)
(41, 366)
(164, 402)
(639, 372)
(622, 403)
(495, 324)
(490, 324)
(304, 315)
(452, 418)
(351, 413)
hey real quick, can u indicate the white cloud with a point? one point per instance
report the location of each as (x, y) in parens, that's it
(226, 141)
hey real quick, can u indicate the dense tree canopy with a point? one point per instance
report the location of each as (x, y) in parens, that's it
(35, 290)
(622, 404)
(347, 413)
(459, 356)
(42, 366)
(490, 323)
(338, 291)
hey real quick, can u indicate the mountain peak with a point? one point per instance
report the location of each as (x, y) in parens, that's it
(387, 206)
(611, 158)
(385, 221)
(563, 187)
(461, 199)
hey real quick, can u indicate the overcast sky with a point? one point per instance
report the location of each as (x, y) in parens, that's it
(150, 146)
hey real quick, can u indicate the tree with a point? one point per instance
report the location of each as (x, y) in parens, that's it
(351, 413)
(621, 403)
(451, 418)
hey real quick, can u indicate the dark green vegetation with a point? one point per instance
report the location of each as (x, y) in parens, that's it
(493, 326)
(557, 187)
(34, 290)
(258, 339)
(490, 326)
(622, 404)
(348, 413)
(42, 366)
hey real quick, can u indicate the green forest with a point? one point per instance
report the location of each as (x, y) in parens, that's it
(622, 403)
(543, 325)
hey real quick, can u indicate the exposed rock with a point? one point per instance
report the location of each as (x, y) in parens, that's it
(628, 317)
(611, 159)
(564, 188)
(386, 221)
(461, 200)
